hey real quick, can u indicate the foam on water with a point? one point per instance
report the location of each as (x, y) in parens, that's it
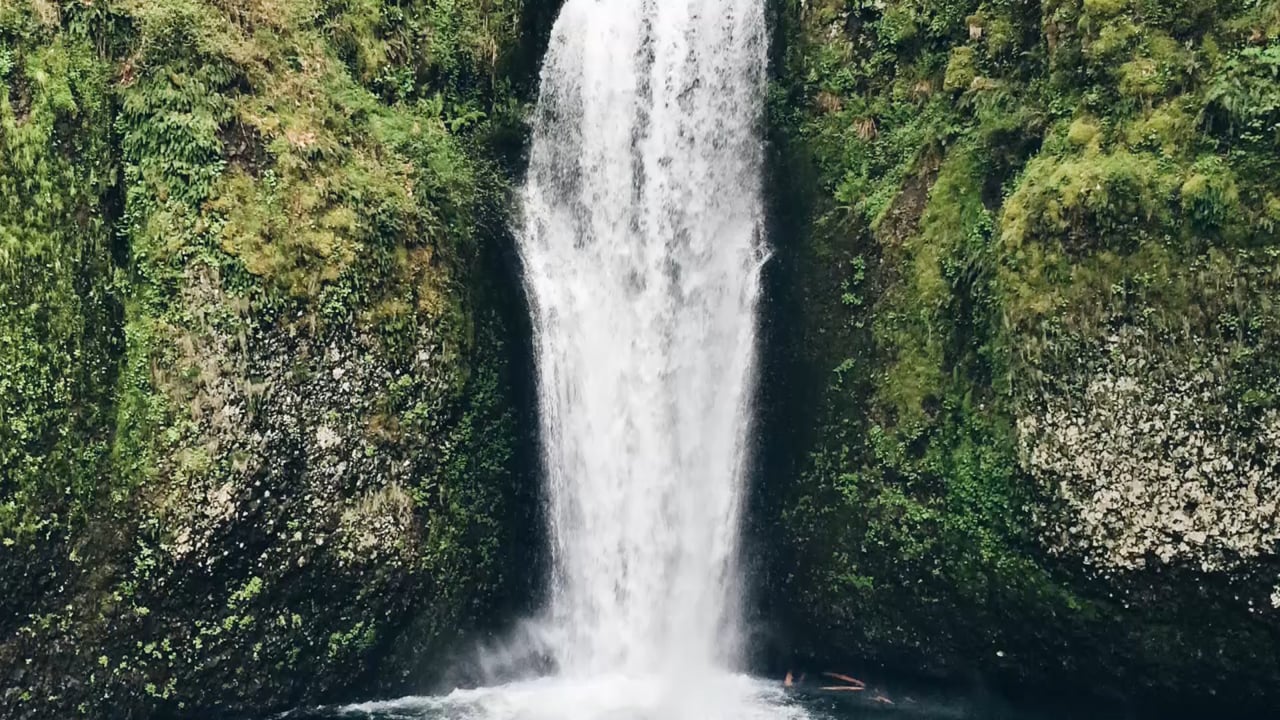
(617, 697)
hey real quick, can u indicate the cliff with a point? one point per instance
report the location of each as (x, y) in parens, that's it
(262, 425)
(265, 419)
(1023, 375)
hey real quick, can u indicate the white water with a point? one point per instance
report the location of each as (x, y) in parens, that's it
(642, 245)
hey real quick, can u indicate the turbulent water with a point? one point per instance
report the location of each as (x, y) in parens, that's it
(726, 697)
(642, 247)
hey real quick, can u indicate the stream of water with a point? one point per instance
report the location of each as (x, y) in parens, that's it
(642, 247)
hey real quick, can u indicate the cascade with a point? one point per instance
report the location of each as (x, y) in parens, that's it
(642, 246)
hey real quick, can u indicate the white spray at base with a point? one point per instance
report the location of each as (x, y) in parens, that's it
(642, 245)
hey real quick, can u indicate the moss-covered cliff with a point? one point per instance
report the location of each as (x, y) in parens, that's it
(1023, 381)
(258, 416)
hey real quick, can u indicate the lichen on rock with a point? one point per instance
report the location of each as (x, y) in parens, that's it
(1156, 467)
(258, 406)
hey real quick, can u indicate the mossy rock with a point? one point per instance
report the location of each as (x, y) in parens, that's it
(262, 408)
(1089, 210)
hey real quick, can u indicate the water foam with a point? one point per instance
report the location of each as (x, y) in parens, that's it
(612, 696)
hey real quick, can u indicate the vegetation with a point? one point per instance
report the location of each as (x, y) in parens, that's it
(999, 197)
(256, 413)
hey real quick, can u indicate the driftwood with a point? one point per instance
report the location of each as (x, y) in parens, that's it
(845, 678)
(852, 684)
(842, 688)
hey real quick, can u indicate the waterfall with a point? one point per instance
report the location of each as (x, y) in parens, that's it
(642, 245)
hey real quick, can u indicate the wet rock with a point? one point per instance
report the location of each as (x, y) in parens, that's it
(1113, 450)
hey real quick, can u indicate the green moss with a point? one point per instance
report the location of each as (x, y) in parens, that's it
(961, 71)
(56, 305)
(1083, 132)
(1089, 202)
(1105, 8)
(190, 190)
(1096, 165)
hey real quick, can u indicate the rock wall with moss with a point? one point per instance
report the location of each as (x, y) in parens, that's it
(1022, 392)
(262, 421)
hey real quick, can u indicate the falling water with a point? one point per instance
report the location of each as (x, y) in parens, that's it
(642, 248)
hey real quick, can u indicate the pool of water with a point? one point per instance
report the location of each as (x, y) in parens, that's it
(719, 697)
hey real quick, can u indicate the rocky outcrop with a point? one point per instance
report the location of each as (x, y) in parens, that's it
(265, 439)
(1021, 393)
(1156, 467)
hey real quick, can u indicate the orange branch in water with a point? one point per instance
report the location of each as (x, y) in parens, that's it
(846, 678)
(843, 688)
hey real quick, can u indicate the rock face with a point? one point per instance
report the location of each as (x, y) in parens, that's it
(263, 434)
(1157, 470)
(1021, 399)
